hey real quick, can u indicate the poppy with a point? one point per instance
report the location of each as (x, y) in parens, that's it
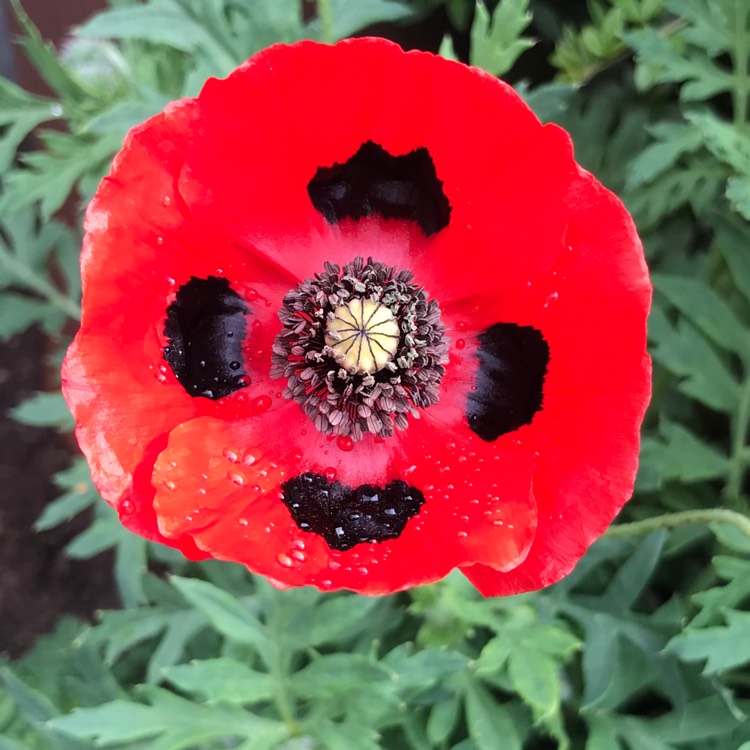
(354, 317)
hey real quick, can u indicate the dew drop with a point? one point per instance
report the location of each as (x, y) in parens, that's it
(243, 522)
(298, 544)
(463, 534)
(160, 240)
(298, 555)
(251, 295)
(166, 200)
(461, 325)
(334, 565)
(498, 523)
(249, 458)
(170, 485)
(363, 570)
(261, 403)
(235, 365)
(201, 490)
(344, 442)
(460, 343)
(284, 560)
(127, 507)
(257, 325)
(238, 479)
(330, 474)
(231, 456)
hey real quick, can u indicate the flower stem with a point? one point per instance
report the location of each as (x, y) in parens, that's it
(275, 664)
(670, 520)
(737, 458)
(325, 14)
(741, 58)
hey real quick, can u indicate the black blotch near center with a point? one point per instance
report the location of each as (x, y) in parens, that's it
(513, 361)
(373, 181)
(346, 516)
(206, 327)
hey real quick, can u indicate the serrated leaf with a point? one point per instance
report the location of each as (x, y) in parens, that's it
(44, 410)
(488, 720)
(706, 309)
(224, 612)
(679, 455)
(221, 681)
(704, 376)
(723, 647)
(497, 41)
(337, 673)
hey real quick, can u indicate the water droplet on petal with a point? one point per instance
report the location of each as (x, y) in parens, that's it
(249, 458)
(298, 555)
(330, 474)
(462, 534)
(284, 560)
(127, 507)
(261, 403)
(460, 344)
(166, 200)
(238, 479)
(160, 240)
(344, 442)
(243, 522)
(231, 456)
(169, 485)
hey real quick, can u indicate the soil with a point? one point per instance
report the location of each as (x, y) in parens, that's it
(38, 582)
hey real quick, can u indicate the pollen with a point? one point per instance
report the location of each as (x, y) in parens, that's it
(363, 336)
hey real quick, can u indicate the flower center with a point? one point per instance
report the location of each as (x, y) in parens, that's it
(363, 335)
(362, 348)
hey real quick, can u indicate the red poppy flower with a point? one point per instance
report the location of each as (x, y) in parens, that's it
(353, 317)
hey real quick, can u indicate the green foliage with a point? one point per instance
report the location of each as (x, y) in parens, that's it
(645, 645)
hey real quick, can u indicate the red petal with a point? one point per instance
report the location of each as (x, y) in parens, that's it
(140, 246)
(230, 503)
(259, 150)
(591, 309)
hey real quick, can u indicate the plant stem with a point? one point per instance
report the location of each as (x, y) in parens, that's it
(40, 285)
(325, 14)
(741, 58)
(276, 669)
(670, 520)
(737, 458)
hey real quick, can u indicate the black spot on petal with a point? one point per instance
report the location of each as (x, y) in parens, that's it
(345, 517)
(205, 328)
(373, 181)
(512, 364)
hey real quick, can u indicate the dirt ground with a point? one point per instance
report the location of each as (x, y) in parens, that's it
(38, 582)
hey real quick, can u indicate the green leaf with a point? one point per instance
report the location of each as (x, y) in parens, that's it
(602, 733)
(224, 612)
(221, 681)
(678, 455)
(164, 22)
(20, 113)
(535, 677)
(338, 673)
(704, 376)
(121, 721)
(722, 647)
(497, 41)
(443, 718)
(488, 720)
(104, 532)
(44, 410)
(738, 194)
(706, 309)
(18, 312)
(45, 59)
(130, 567)
(351, 16)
